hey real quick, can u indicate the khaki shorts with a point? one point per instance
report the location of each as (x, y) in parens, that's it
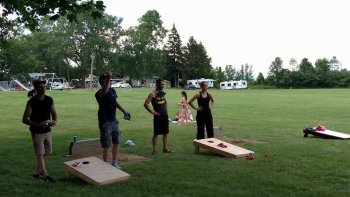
(42, 143)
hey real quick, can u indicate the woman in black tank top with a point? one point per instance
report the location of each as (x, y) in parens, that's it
(204, 117)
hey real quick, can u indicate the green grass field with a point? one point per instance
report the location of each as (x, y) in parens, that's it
(297, 166)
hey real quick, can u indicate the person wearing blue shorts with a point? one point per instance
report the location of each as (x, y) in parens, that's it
(110, 134)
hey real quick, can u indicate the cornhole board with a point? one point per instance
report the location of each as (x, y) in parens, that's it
(96, 172)
(326, 134)
(211, 144)
(85, 147)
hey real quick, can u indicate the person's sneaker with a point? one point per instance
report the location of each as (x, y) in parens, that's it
(116, 165)
(49, 179)
(39, 175)
(154, 153)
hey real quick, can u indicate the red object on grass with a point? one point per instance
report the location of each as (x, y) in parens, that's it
(320, 127)
(249, 156)
(266, 155)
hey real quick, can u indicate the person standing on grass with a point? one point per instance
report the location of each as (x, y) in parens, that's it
(160, 115)
(204, 117)
(110, 133)
(41, 115)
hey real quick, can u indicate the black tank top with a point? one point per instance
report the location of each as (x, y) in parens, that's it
(204, 102)
(159, 102)
(41, 111)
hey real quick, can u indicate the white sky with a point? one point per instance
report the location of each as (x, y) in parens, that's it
(252, 31)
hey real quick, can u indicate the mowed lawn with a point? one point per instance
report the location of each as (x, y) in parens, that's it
(297, 166)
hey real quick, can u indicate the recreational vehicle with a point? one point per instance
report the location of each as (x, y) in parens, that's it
(196, 82)
(229, 85)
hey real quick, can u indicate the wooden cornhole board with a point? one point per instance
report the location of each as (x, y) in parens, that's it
(92, 147)
(211, 144)
(327, 134)
(96, 172)
(85, 147)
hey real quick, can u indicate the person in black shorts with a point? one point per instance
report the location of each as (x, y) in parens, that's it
(110, 133)
(41, 115)
(160, 115)
(204, 117)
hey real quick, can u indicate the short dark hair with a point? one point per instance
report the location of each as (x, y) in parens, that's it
(37, 83)
(158, 81)
(102, 79)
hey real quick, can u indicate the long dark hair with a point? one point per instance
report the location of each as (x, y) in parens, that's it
(184, 94)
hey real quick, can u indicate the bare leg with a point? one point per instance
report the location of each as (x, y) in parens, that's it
(154, 143)
(41, 165)
(105, 154)
(165, 142)
(115, 152)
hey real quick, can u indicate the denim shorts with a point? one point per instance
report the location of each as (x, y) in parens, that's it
(110, 133)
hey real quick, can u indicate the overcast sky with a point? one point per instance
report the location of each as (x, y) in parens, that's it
(237, 32)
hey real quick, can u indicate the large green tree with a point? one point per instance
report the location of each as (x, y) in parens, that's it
(87, 38)
(248, 72)
(30, 12)
(275, 72)
(260, 80)
(230, 72)
(218, 75)
(175, 57)
(322, 68)
(307, 75)
(142, 54)
(63, 46)
(197, 61)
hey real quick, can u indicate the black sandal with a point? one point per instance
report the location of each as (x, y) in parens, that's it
(167, 151)
(39, 175)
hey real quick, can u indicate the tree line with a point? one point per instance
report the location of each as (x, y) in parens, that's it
(139, 52)
(66, 38)
(325, 73)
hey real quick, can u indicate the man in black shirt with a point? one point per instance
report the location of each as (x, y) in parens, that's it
(110, 133)
(160, 115)
(41, 115)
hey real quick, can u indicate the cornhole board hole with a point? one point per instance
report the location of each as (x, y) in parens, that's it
(96, 172)
(326, 134)
(211, 144)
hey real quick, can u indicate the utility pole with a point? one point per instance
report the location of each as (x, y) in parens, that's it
(91, 69)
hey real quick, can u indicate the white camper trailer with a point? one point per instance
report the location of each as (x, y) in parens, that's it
(193, 82)
(229, 85)
(226, 85)
(196, 82)
(210, 82)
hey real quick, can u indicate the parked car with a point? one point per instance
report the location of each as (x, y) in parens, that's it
(189, 87)
(120, 85)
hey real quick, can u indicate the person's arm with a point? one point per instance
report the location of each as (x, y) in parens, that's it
(105, 87)
(146, 104)
(212, 100)
(26, 118)
(199, 108)
(53, 116)
(121, 108)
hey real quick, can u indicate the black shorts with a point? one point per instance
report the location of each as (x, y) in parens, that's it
(161, 125)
